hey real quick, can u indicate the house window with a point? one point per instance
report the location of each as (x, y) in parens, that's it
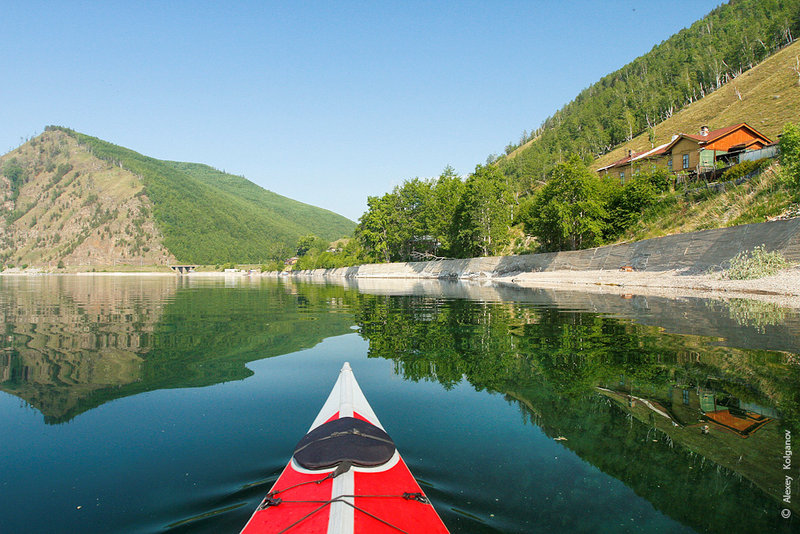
(621, 176)
(686, 161)
(686, 396)
(669, 164)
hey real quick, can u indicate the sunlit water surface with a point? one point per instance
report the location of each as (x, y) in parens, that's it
(167, 404)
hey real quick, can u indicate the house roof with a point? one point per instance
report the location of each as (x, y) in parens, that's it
(744, 146)
(635, 157)
(713, 135)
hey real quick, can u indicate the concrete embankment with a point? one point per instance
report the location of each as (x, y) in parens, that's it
(691, 253)
(671, 266)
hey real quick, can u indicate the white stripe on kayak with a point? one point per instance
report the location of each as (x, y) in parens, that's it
(347, 399)
(355, 399)
(341, 520)
(346, 391)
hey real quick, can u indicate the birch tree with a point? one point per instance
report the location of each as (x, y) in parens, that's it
(484, 215)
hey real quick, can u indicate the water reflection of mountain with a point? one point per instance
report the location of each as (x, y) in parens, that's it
(551, 361)
(66, 338)
(73, 343)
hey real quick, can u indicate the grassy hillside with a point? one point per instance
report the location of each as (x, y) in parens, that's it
(757, 200)
(209, 224)
(691, 65)
(766, 97)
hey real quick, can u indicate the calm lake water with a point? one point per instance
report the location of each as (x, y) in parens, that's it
(166, 404)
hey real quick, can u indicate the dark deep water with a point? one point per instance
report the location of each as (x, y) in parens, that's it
(161, 404)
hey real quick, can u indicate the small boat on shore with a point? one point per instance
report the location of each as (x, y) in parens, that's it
(345, 476)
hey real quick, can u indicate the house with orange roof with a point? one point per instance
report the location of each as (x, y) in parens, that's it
(695, 153)
(690, 154)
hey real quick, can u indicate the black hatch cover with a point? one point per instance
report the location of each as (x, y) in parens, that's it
(344, 440)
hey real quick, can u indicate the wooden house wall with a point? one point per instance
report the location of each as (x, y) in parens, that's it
(632, 168)
(685, 146)
(736, 137)
(649, 164)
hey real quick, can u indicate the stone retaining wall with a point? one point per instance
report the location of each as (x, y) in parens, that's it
(692, 253)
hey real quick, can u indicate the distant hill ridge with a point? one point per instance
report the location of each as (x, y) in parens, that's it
(72, 199)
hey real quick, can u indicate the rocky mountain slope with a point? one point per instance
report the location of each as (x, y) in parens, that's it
(61, 205)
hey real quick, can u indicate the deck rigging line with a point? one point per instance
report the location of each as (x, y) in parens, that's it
(271, 500)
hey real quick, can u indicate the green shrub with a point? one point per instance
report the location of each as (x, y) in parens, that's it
(744, 168)
(660, 178)
(627, 203)
(758, 263)
(790, 156)
(14, 173)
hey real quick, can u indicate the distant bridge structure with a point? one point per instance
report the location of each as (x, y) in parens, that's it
(183, 269)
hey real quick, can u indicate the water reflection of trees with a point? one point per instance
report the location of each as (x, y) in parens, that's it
(488, 343)
(551, 362)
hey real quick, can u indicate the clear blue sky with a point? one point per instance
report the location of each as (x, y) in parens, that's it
(326, 103)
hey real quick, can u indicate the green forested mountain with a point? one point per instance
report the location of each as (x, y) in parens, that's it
(686, 67)
(73, 199)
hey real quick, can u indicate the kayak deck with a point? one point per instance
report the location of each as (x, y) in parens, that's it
(346, 497)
